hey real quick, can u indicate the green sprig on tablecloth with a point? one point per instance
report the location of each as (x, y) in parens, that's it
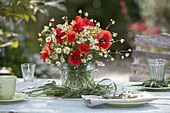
(51, 89)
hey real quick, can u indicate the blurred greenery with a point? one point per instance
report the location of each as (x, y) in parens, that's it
(21, 20)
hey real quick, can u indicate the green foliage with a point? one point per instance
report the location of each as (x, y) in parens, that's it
(51, 89)
(154, 84)
(14, 16)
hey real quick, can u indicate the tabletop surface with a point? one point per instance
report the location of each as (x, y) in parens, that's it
(54, 105)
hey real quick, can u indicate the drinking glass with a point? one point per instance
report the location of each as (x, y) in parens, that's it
(157, 69)
(28, 70)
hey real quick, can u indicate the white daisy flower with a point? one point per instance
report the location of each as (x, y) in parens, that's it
(98, 24)
(58, 63)
(48, 61)
(105, 56)
(112, 59)
(101, 53)
(96, 47)
(66, 50)
(89, 57)
(50, 24)
(62, 59)
(129, 50)
(39, 34)
(46, 28)
(52, 19)
(78, 42)
(55, 57)
(84, 60)
(58, 50)
(113, 22)
(122, 40)
(64, 17)
(127, 54)
(80, 11)
(86, 14)
(114, 34)
(48, 39)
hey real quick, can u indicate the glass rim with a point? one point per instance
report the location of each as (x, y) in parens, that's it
(28, 64)
(8, 77)
(157, 60)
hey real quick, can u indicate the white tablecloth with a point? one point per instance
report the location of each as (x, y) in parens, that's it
(53, 105)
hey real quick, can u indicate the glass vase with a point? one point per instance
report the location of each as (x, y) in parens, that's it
(81, 77)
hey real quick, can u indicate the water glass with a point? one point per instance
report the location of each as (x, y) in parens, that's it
(157, 69)
(28, 70)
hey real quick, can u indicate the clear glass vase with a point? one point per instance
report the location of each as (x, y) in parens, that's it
(81, 77)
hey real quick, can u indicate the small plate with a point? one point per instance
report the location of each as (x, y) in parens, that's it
(17, 97)
(156, 89)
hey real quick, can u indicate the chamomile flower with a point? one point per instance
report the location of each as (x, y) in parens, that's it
(89, 57)
(105, 56)
(86, 14)
(50, 24)
(112, 21)
(62, 59)
(127, 54)
(54, 57)
(58, 50)
(39, 34)
(48, 39)
(129, 50)
(66, 50)
(112, 59)
(52, 19)
(46, 28)
(84, 60)
(114, 34)
(101, 53)
(48, 61)
(122, 40)
(98, 24)
(58, 63)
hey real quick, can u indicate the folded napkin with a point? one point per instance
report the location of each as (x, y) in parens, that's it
(92, 100)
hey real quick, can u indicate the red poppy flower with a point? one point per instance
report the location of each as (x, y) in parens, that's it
(88, 22)
(59, 35)
(43, 56)
(78, 19)
(103, 37)
(122, 3)
(79, 27)
(123, 11)
(74, 58)
(84, 48)
(44, 53)
(71, 36)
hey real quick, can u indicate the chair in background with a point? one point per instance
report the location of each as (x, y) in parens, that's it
(149, 47)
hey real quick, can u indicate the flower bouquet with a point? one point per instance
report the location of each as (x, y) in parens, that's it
(76, 45)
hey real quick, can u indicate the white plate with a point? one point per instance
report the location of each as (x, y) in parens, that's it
(92, 100)
(130, 102)
(156, 89)
(17, 97)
